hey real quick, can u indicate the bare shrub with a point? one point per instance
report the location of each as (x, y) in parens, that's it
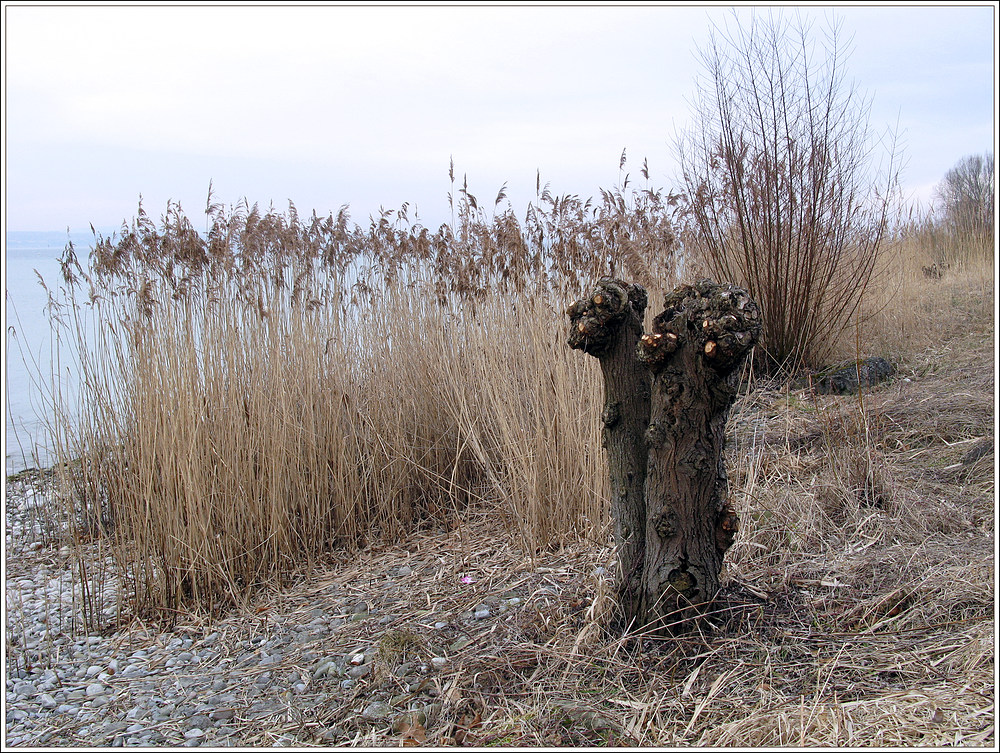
(783, 192)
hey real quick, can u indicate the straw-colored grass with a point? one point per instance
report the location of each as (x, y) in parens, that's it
(263, 457)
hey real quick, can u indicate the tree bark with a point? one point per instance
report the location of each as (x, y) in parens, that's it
(608, 325)
(696, 349)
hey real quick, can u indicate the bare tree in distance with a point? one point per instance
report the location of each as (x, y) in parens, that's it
(966, 198)
(788, 190)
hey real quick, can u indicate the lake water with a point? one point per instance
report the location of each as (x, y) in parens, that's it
(28, 353)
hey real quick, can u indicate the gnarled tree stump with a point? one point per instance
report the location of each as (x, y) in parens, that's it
(695, 351)
(667, 398)
(607, 325)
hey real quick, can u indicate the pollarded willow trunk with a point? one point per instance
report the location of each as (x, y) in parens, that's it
(608, 325)
(696, 349)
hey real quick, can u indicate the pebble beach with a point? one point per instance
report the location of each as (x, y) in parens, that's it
(362, 651)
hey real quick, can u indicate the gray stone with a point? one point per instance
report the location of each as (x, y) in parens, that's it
(223, 715)
(95, 689)
(358, 672)
(200, 721)
(25, 689)
(848, 377)
(376, 711)
(47, 701)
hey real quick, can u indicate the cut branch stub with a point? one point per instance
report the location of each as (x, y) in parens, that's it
(595, 321)
(722, 320)
(607, 325)
(697, 346)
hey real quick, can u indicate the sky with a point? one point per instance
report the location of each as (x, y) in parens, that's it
(331, 105)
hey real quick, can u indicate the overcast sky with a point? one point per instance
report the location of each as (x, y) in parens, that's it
(330, 105)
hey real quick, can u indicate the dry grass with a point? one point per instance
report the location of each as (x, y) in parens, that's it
(283, 387)
(934, 289)
(267, 458)
(243, 447)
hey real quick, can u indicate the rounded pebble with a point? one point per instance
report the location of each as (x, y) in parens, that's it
(376, 711)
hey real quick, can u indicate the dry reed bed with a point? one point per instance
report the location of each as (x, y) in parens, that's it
(859, 610)
(282, 386)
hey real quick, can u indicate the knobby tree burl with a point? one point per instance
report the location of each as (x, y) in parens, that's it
(665, 440)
